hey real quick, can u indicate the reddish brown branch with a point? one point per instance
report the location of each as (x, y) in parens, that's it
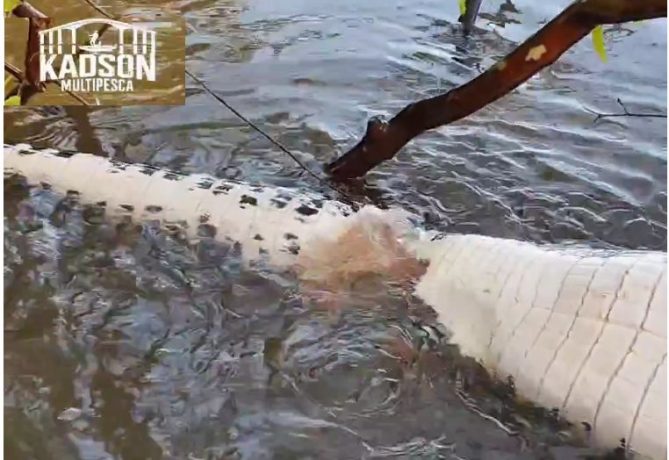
(13, 71)
(16, 73)
(37, 21)
(383, 140)
(30, 84)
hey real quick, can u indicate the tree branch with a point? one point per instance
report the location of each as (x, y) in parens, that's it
(624, 113)
(30, 84)
(16, 73)
(383, 140)
(37, 21)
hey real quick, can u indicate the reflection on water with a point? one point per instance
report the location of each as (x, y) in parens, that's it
(131, 343)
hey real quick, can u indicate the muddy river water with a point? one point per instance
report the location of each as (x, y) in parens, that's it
(128, 342)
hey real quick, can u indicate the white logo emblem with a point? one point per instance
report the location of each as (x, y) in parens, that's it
(93, 66)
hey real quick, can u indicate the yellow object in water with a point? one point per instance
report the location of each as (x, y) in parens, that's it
(463, 6)
(598, 42)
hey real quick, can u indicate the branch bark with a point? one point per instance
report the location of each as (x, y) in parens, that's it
(18, 75)
(37, 21)
(383, 140)
(30, 84)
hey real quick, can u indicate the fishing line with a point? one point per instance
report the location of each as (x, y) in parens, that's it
(276, 143)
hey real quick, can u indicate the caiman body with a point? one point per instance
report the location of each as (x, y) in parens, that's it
(578, 329)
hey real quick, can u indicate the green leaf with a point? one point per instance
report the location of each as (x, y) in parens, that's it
(10, 5)
(462, 4)
(598, 42)
(8, 82)
(14, 100)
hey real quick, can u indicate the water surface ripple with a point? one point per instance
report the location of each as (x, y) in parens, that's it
(130, 342)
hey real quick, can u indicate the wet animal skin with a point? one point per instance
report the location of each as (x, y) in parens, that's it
(578, 329)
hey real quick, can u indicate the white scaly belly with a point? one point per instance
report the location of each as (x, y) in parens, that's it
(577, 329)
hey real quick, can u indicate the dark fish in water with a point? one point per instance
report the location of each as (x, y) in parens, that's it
(468, 19)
